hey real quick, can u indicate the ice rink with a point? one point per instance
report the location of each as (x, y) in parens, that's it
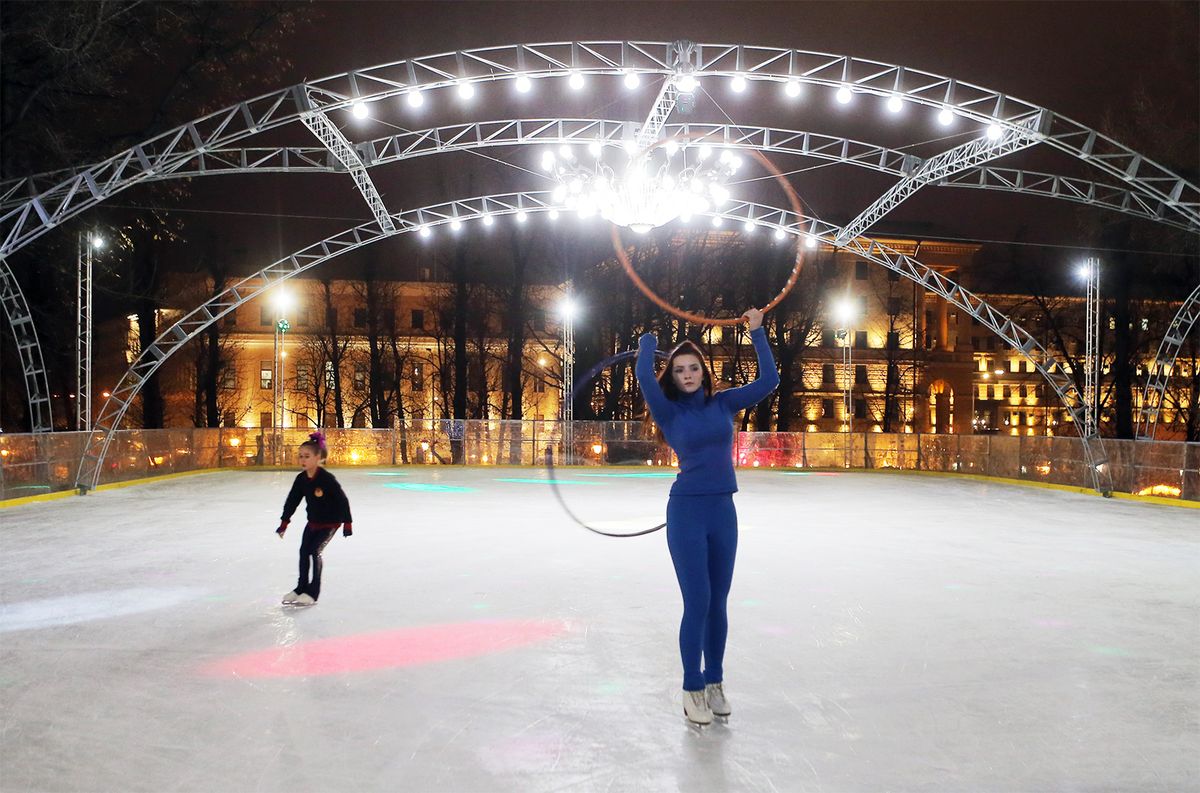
(887, 633)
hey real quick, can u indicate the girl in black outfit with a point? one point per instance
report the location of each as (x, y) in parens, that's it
(327, 507)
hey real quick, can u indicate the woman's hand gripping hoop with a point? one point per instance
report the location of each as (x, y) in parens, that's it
(580, 384)
(699, 319)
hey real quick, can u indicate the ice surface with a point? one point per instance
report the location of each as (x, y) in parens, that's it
(887, 632)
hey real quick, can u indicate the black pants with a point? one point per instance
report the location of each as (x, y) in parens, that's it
(311, 546)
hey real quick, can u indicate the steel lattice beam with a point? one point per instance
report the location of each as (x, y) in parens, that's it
(948, 163)
(195, 321)
(341, 148)
(33, 369)
(519, 132)
(1159, 375)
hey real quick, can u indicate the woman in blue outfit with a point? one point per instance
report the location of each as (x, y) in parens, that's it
(701, 521)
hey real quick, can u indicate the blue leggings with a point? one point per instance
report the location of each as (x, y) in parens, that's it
(702, 537)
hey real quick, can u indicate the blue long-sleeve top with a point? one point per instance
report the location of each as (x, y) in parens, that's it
(699, 427)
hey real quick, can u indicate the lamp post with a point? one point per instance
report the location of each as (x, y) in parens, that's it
(844, 314)
(282, 302)
(88, 242)
(568, 309)
(1090, 271)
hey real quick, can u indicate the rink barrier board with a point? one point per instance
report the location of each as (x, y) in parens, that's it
(44, 464)
(1159, 500)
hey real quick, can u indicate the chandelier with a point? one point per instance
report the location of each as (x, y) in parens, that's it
(657, 185)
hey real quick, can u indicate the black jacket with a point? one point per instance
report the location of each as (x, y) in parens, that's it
(326, 501)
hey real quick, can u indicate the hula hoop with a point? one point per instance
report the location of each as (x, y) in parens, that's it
(700, 319)
(575, 389)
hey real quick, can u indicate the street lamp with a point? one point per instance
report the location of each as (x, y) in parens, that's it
(844, 314)
(89, 241)
(282, 301)
(1090, 272)
(568, 309)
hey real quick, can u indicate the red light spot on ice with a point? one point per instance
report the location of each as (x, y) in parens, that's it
(386, 649)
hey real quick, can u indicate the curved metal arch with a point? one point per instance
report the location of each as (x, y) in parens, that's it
(195, 321)
(1164, 364)
(534, 131)
(20, 319)
(172, 149)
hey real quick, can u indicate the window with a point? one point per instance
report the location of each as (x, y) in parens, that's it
(331, 318)
(861, 273)
(1112, 323)
(265, 419)
(827, 409)
(860, 375)
(1145, 323)
(303, 317)
(827, 375)
(991, 343)
(975, 345)
(893, 306)
(303, 376)
(860, 339)
(1007, 391)
(539, 386)
(539, 319)
(1021, 390)
(229, 377)
(265, 372)
(426, 274)
(893, 340)
(828, 337)
(1014, 365)
(418, 377)
(360, 317)
(264, 316)
(229, 419)
(389, 318)
(360, 419)
(360, 377)
(860, 408)
(727, 371)
(330, 419)
(417, 319)
(231, 319)
(329, 377)
(862, 306)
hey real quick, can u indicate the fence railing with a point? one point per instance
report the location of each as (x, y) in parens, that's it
(32, 464)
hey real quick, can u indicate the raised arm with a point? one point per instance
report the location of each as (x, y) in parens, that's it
(656, 400)
(736, 399)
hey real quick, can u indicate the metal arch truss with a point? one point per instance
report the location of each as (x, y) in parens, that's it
(956, 160)
(516, 132)
(1168, 192)
(195, 321)
(1164, 365)
(341, 148)
(37, 387)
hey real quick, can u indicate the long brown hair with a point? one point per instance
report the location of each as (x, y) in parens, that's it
(667, 383)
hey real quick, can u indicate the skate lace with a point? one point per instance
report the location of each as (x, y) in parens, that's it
(698, 700)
